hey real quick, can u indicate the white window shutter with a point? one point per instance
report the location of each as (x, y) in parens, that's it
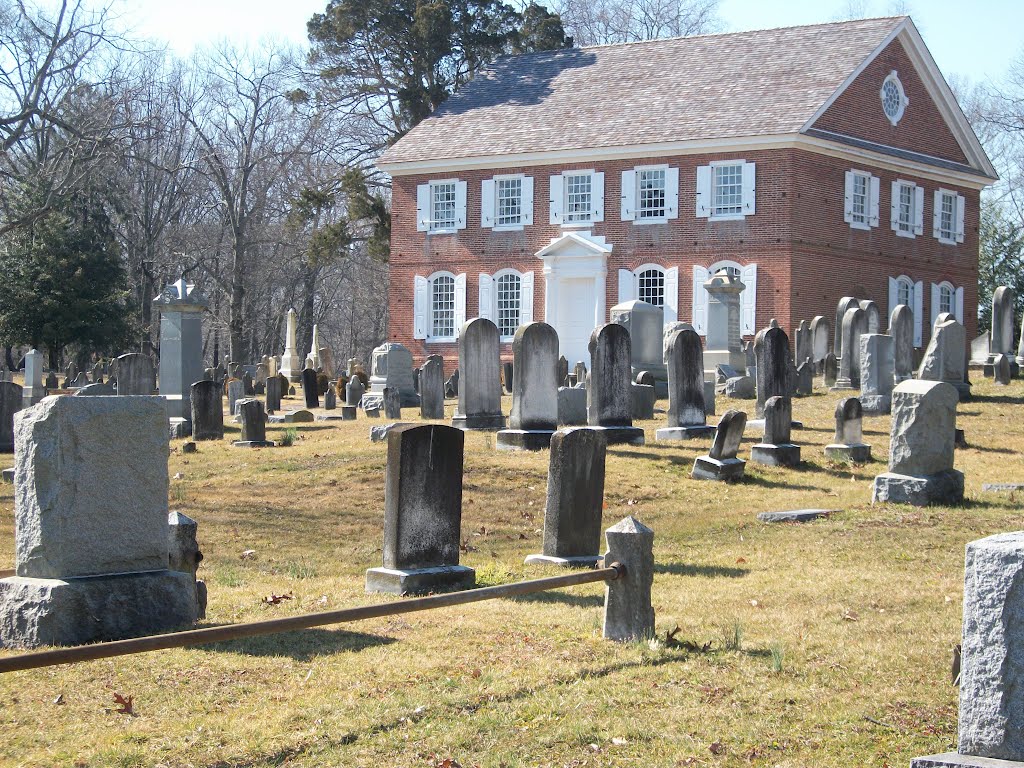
(528, 200)
(894, 207)
(627, 286)
(526, 298)
(959, 305)
(749, 188)
(671, 295)
(597, 187)
(423, 208)
(460, 205)
(420, 303)
(875, 193)
(628, 195)
(700, 300)
(936, 293)
(748, 300)
(672, 193)
(894, 294)
(960, 206)
(703, 191)
(487, 203)
(557, 199)
(848, 197)
(918, 313)
(460, 303)
(918, 210)
(485, 296)
(937, 214)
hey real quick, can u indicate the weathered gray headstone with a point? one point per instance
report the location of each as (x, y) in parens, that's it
(645, 323)
(575, 498)
(10, 404)
(354, 392)
(845, 304)
(921, 447)
(135, 374)
(830, 370)
(393, 403)
(1001, 338)
(644, 397)
(945, 358)
(572, 406)
(391, 366)
(821, 340)
(805, 378)
(854, 325)
(207, 411)
(236, 391)
(254, 425)
(309, 388)
(432, 388)
(628, 610)
(275, 390)
(422, 513)
(773, 360)
(330, 399)
(724, 343)
(721, 462)
(901, 328)
(686, 415)
(507, 377)
(181, 346)
(802, 348)
(609, 397)
(777, 448)
(848, 444)
(872, 316)
(876, 372)
(183, 551)
(534, 416)
(563, 370)
(96, 390)
(1001, 372)
(479, 377)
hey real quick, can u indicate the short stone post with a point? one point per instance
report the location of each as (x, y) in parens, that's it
(254, 426)
(207, 411)
(628, 611)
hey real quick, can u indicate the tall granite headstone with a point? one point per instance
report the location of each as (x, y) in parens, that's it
(207, 411)
(432, 388)
(181, 348)
(609, 393)
(854, 324)
(876, 372)
(686, 412)
(479, 377)
(773, 361)
(901, 328)
(534, 416)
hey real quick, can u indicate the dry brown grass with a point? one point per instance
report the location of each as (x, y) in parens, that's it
(830, 642)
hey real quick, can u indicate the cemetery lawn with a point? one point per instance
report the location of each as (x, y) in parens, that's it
(819, 644)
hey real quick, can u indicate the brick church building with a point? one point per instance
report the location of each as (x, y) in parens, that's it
(815, 162)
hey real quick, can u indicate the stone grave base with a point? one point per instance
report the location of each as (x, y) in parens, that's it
(329, 417)
(954, 760)
(379, 433)
(484, 422)
(91, 609)
(523, 439)
(857, 453)
(984, 486)
(876, 404)
(758, 425)
(941, 488)
(619, 435)
(371, 413)
(254, 444)
(583, 561)
(842, 385)
(348, 412)
(685, 433)
(706, 468)
(988, 370)
(178, 427)
(793, 515)
(416, 581)
(782, 455)
(963, 389)
(8, 475)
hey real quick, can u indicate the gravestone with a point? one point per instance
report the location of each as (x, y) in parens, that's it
(330, 399)
(309, 388)
(534, 415)
(645, 323)
(1001, 371)
(803, 350)
(81, 380)
(876, 372)
(391, 366)
(479, 385)
(275, 390)
(628, 611)
(135, 375)
(830, 370)
(872, 316)
(563, 371)
(848, 444)
(248, 385)
(668, 332)
(1001, 337)
(686, 414)
(354, 391)
(314, 349)
(506, 377)
(260, 379)
(740, 388)
(724, 342)
(181, 348)
(32, 391)
(422, 513)
(921, 447)
(575, 499)
(393, 403)
(291, 366)
(580, 371)
(901, 328)
(773, 361)
(821, 339)
(236, 391)
(854, 325)
(845, 304)
(721, 462)
(805, 378)
(10, 404)
(643, 397)
(51, 382)
(572, 406)
(946, 356)
(207, 411)
(90, 527)
(432, 388)
(254, 425)
(96, 390)
(777, 448)
(609, 397)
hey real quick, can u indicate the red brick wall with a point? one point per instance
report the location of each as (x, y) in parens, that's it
(858, 110)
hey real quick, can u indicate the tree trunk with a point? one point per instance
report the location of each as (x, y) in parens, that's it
(147, 312)
(305, 319)
(236, 320)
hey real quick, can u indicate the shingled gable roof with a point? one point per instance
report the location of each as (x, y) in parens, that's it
(712, 87)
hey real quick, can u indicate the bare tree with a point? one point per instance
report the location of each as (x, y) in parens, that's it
(597, 22)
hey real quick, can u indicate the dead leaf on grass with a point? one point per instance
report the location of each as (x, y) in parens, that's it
(125, 705)
(59, 700)
(671, 641)
(716, 748)
(851, 616)
(249, 554)
(273, 599)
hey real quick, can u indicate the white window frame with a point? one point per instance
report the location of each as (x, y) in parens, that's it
(916, 223)
(892, 77)
(487, 298)
(731, 215)
(631, 196)
(458, 307)
(916, 302)
(705, 198)
(559, 198)
(956, 232)
(871, 193)
(649, 268)
(489, 202)
(425, 221)
(948, 288)
(497, 278)
(956, 301)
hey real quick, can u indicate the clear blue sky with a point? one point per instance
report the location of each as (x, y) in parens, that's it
(976, 40)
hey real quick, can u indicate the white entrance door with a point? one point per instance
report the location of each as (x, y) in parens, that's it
(577, 302)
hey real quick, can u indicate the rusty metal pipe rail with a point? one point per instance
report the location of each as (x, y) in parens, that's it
(36, 659)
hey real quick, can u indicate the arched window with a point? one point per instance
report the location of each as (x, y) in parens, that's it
(650, 285)
(442, 306)
(947, 298)
(508, 296)
(904, 291)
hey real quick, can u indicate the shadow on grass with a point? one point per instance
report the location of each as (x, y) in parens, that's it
(997, 399)
(768, 483)
(302, 645)
(710, 571)
(301, 426)
(986, 449)
(565, 598)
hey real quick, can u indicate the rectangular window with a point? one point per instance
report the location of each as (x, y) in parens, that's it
(578, 197)
(861, 193)
(443, 307)
(947, 217)
(905, 215)
(509, 302)
(727, 190)
(651, 193)
(442, 205)
(509, 202)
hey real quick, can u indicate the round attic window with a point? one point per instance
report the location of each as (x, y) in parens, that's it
(894, 99)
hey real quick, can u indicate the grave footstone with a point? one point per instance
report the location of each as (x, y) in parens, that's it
(534, 415)
(207, 411)
(687, 418)
(921, 447)
(392, 403)
(901, 328)
(432, 388)
(946, 356)
(876, 372)
(575, 499)
(254, 425)
(777, 448)
(721, 462)
(479, 405)
(10, 404)
(309, 388)
(422, 513)
(91, 527)
(609, 397)
(848, 444)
